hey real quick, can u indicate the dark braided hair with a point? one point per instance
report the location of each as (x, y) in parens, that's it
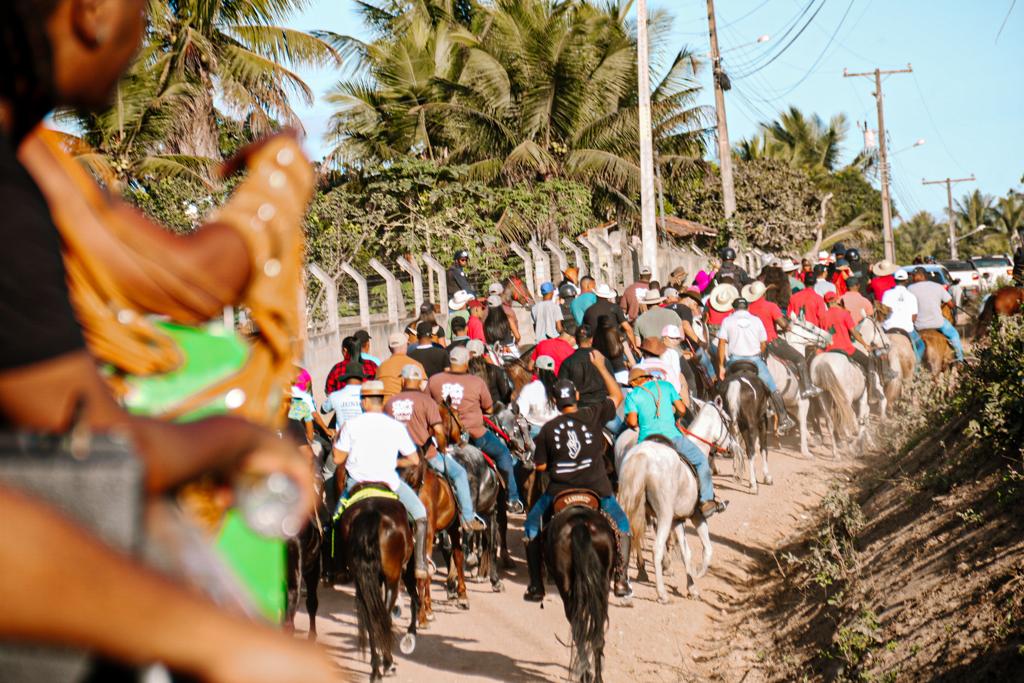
(26, 63)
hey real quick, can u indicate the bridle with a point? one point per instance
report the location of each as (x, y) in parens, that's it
(522, 295)
(725, 433)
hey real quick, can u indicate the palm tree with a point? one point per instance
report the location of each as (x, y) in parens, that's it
(922, 235)
(801, 140)
(1009, 213)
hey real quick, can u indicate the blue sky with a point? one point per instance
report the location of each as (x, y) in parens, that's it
(965, 96)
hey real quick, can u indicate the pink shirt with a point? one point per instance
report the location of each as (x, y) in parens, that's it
(858, 306)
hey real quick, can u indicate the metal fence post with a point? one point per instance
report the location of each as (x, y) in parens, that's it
(364, 294)
(394, 291)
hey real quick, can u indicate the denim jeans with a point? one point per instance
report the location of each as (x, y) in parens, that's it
(949, 331)
(762, 370)
(705, 362)
(918, 344)
(616, 426)
(448, 466)
(695, 457)
(406, 496)
(490, 444)
(609, 505)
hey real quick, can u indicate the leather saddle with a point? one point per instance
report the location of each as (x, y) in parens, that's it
(741, 368)
(576, 498)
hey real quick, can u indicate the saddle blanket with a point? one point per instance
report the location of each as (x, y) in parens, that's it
(361, 495)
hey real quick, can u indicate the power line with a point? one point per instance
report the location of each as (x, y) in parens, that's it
(938, 131)
(817, 61)
(786, 46)
(785, 30)
(1005, 19)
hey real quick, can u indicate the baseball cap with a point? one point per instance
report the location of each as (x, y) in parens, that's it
(670, 293)
(603, 291)
(412, 371)
(397, 339)
(478, 303)
(546, 288)
(544, 363)
(372, 388)
(475, 348)
(565, 392)
(496, 288)
(645, 270)
(494, 301)
(830, 297)
(901, 275)
(459, 355)
(425, 329)
(672, 332)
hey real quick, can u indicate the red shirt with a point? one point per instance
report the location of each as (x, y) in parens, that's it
(838, 322)
(716, 317)
(558, 349)
(840, 282)
(768, 313)
(475, 328)
(810, 303)
(881, 284)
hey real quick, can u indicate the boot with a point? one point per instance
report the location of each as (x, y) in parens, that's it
(622, 588)
(873, 393)
(807, 389)
(785, 422)
(420, 548)
(535, 591)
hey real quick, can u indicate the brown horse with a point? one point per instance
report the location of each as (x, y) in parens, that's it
(1005, 301)
(938, 354)
(378, 545)
(442, 515)
(516, 290)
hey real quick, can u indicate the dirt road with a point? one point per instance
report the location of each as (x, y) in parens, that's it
(503, 638)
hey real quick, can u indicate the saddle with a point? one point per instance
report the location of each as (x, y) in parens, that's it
(741, 368)
(665, 441)
(576, 498)
(364, 490)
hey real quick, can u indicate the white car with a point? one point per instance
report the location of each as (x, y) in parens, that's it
(992, 269)
(966, 276)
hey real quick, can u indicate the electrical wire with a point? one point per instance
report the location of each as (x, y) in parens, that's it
(782, 51)
(931, 119)
(1005, 19)
(784, 30)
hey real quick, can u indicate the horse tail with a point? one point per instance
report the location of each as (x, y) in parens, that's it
(633, 492)
(364, 549)
(589, 612)
(842, 412)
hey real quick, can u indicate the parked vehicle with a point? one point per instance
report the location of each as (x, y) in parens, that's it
(967, 277)
(992, 269)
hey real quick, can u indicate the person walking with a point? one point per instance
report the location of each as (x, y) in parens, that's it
(585, 300)
(547, 314)
(475, 322)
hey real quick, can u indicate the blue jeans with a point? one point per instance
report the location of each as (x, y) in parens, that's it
(531, 529)
(616, 426)
(695, 457)
(406, 496)
(705, 362)
(446, 465)
(762, 370)
(918, 344)
(949, 331)
(490, 444)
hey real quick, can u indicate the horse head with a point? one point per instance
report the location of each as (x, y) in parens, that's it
(517, 428)
(518, 291)
(451, 424)
(802, 333)
(713, 427)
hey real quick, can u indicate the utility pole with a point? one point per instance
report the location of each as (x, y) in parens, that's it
(887, 237)
(721, 82)
(948, 182)
(648, 229)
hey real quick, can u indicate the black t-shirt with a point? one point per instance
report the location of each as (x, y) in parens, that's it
(682, 310)
(600, 309)
(572, 447)
(578, 369)
(36, 319)
(434, 359)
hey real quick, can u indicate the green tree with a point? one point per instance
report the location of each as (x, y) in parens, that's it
(922, 235)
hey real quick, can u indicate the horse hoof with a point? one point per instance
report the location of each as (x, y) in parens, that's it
(663, 599)
(768, 480)
(407, 645)
(498, 587)
(396, 612)
(694, 593)
(431, 616)
(463, 603)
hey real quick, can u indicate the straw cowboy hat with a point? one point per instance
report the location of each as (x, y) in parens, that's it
(789, 265)
(603, 291)
(652, 298)
(754, 291)
(884, 267)
(722, 296)
(459, 300)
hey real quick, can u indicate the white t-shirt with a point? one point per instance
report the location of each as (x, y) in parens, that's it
(823, 287)
(533, 404)
(673, 370)
(903, 305)
(346, 403)
(373, 442)
(744, 332)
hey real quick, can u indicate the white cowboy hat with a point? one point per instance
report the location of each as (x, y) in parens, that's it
(754, 291)
(884, 267)
(652, 297)
(722, 296)
(459, 300)
(789, 265)
(603, 291)
(823, 256)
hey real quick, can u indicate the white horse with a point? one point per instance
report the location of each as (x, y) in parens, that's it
(801, 336)
(899, 353)
(843, 385)
(653, 477)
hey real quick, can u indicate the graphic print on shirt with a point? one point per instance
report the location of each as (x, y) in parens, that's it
(574, 435)
(402, 409)
(452, 392)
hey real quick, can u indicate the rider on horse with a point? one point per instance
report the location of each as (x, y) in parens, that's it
(743, 337)
(931, 298)
(839, 323)
(571, 448)
(651, 407)
(414, 408)
(455, 277)
(369, 448)
(729, 271)
(902, 308)
(771, 316)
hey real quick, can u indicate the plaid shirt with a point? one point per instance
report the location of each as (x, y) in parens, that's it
(334, 381)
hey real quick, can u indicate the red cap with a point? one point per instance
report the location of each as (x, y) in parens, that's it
(830, 297)
(478, 303)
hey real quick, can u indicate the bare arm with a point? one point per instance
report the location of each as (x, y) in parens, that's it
(632, 420)
(410, 460)
(628, 329)
(680, 406)
(190, 635)
(723, 351)
(614, 391)
(689, 333)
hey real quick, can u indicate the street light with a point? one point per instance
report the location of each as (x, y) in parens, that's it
(764, 38)
(972, 232)
(917, 143)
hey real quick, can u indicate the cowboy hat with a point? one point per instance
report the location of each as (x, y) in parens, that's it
(789, 265)
(603, 291)
(638, 373)
(459, 300)
(754, 291)
(722, 296)
(884, 267)
(693, 294)
(573, 273)
(652, 297)
(372, 388)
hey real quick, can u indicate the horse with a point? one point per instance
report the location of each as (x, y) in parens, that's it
(517, 291)
(653, 476)
(746, 399)
(514, 429)
(898, 354)
(802, 336)
(304, 568)
(1005, 301)
(843, 384)
(439, 500)
(489, 498)
(579, 551)
(378, 544)
(938, 354)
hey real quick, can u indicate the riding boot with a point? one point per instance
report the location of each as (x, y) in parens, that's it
(807, 389)
(534, 564)
(785, 421)
(622, 589)
(420, 548)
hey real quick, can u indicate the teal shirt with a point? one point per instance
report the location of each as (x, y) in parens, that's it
(652, 403)
(580, 305)
(795, 285)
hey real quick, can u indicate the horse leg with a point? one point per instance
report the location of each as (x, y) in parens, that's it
(408, 643)
(638, 551)
(312, 549)
(494, 534)
(750, 441)
(293, 568)
(506, 556)
(704, 534)
(684, 549)
(803, 406)
(660, 539)
(762, 445)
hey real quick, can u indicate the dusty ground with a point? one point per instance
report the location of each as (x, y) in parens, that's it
(503, 638)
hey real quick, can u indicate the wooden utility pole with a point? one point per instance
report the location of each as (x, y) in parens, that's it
(724, 149)
(887, 237)
(648, 229)
(951, 224)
